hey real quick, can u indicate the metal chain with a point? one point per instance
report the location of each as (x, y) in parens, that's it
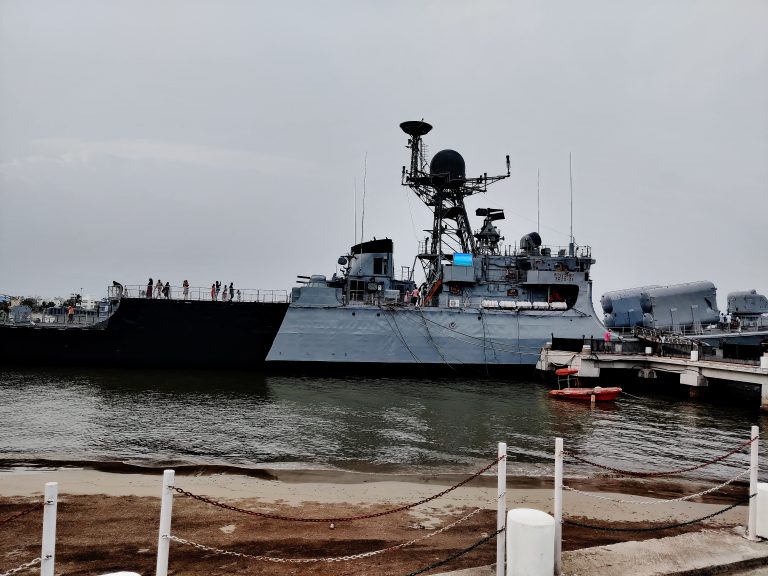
(658, 528)
(342, 519)
(652, 502)
(20, 514)
(664, 473)
(331, 558)
(457, 554)
(21, 568)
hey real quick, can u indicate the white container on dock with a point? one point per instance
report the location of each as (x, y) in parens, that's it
(530, 543)
(761, 527)
(764, 361)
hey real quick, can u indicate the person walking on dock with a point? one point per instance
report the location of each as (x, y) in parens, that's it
(185, 287)
(149, 288)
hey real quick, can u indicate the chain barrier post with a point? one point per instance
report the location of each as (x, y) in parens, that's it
(163, 539)
(48, 549)
(501, 511)
(752, 523)
(558, 505)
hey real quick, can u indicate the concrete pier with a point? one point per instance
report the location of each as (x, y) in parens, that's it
(693, 371)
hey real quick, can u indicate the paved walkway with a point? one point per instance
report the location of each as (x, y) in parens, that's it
(694, 553)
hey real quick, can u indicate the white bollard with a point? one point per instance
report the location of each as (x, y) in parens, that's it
(48, 549)
(163, 540)
(558, 505)
(529, 542)
(762, 510)
(752, 523)
(695, 355)
(764, 361)
(501, 511)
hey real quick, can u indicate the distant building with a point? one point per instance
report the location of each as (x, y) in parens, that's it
(88, 302)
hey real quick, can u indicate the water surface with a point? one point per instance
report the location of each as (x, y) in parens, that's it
(161, 418)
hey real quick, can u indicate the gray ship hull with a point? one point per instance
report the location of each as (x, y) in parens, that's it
(433, 336)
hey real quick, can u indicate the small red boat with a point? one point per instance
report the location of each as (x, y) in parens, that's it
(568, 376)
(566, 372)
(600, 394)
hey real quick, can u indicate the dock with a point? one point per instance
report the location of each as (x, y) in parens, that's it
(693, 371)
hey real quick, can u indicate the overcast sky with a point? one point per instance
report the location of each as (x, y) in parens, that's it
(226, 140)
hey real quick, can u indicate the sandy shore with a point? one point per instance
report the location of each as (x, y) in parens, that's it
(109, 521)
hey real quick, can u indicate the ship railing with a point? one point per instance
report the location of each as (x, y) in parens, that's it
(696, 329)
(548, 251)
(202, 293)
(667, 344)
(80, 318)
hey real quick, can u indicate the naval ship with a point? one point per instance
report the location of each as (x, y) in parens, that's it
(481, 304)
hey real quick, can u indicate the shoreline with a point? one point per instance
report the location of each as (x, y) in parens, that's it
(294, 487)
(108, 521)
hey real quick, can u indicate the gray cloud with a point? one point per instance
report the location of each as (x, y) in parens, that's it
(207, 140)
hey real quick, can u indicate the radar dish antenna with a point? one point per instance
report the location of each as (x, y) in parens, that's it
(416, 128)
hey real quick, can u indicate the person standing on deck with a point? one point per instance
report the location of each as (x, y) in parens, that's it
(231, 292)
(149, 288)
(185, 286)
(167, 290)
(70, 313)
(607, 340)
(218, 289)
(159, 288)
(213, 292)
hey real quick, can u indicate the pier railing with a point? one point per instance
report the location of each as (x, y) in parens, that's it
(200, 293)
(609, 471)
(662, 344)
(495, 501)
(738, 490)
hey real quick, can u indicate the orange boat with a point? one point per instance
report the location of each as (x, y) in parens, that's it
(568, 376)
(600, 394)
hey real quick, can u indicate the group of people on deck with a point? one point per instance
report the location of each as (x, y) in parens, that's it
(160, 290)
(228, 294)
(225, 294)
(416, 296)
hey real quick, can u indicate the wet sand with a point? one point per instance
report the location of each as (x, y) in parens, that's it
(109, 521)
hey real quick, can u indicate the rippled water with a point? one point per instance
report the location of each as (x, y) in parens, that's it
(383, 424)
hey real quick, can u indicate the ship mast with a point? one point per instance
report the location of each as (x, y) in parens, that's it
(443, 189)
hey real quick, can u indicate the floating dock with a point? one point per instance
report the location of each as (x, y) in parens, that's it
(693, 371)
